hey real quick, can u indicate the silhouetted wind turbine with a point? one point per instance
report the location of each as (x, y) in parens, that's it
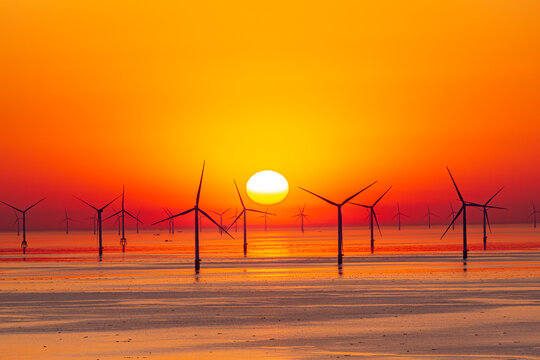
(171, 221)
(265, 216)
(485, 216)
(399, 214)
(138, 219)
(234, 217)
(18, 222)
(24, 244)
(301, 216)
(99, 224)
(220, 214)
(67, 219)
(452, 214)
(340, 218)
(463, 209)
(244, 212)
(533, 214)
(429, 214)
(197, 210)
(373, 215)
(121, 214)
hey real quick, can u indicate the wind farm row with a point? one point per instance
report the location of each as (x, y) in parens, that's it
(301, 217)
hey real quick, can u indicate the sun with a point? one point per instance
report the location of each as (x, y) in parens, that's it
(267, 187)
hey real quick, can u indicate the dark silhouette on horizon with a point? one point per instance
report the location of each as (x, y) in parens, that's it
(220, 214)
(463, 209)
(121, 216)
(399, 214)
(67, 219)
(373, 215)
(266, 218)
(340, 218)
(485, 219)
(24, 244)
(301, 216)
(197, 210)
(244, 212)
(533, 214)
(18, 222)
(99, 224)
(138, 217)
(452, 214)
(429, 214)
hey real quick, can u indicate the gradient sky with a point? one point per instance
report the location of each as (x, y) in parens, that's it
(333, 95)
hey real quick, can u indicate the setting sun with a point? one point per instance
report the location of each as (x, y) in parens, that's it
(267, 187)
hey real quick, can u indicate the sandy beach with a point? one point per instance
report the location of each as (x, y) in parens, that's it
(388, 306)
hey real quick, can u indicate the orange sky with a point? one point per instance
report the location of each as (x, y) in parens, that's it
(333, 95)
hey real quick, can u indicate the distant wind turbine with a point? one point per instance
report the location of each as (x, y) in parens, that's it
(99, 224)
(463, 209)
(121, 214)
(220, 214)
(234, 217)
(399, 214)
(244, 212)
(533, 214)
(24, 244)
(429, 214)
(373, 216)
(197, 210)
(18, 222)
(266, 217)
(138, 219)
(452, 214)
(301, 216)
(486, 218)
(67, 219)
(171, 220)
(340, 218)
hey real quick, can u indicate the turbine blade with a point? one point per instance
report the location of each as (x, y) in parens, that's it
(491, 198)
(240, 196)
(200, 184)
(13, 207)
(455, 185)
(116, 213)
(449, 226)
(351, 197)
(377, 222)
(495, 207)
(258, 211)
(320, 197)
(215, 223)
(110, 202)
(93, 207)
(173, 216)
(31, 206)
(235, 220)
(487, 219)
(223, 213)
(379, 199)
(133, 217)
(362, 205)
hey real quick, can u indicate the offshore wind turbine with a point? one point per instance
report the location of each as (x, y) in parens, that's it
(301, 216)
(121, 216)
(373, 216)
(67, 219)
(244, 212)
(463, 209)
(99, 224)
(24, 244)
(399, 214)
(452, 214)
(533, 214)
(18, 222)
(234, 217)
(485, 216)
(428, 215)
(340, 217)
(94, 220)
(265, 216)
(197, 210)
(171, 221)
(220, 214)
(138, 219)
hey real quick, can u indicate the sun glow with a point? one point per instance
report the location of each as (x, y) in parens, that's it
(267, 187)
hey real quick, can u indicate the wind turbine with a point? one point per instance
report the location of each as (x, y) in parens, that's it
(463, 209)
(67, 219)
(138, 219)
(121, 216)
(220, 214)
(197, 210)
(301, 216)
(533, 214)
(244, 212)
(428, 215)
(265, 216)
(94, 221)
(99, 224)
(18, 222)
(399, 214)
(452, 214)
(234, 217)
(340, 218)
(24, 244)
(485, 216)
(373, 215)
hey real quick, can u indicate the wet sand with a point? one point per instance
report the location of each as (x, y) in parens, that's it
(383, 306)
